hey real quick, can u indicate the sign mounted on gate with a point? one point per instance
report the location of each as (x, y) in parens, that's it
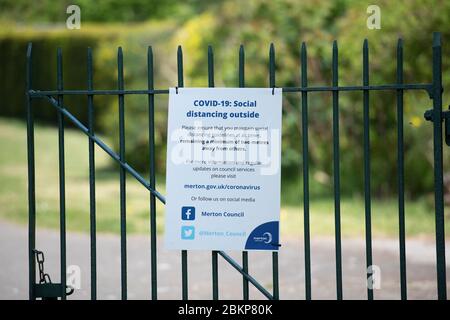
(223, 169)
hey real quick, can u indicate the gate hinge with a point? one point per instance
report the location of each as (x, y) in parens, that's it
(445, 117)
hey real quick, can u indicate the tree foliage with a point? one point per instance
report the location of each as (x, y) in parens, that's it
(225, 25)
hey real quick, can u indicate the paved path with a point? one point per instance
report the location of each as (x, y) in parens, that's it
(420, 263)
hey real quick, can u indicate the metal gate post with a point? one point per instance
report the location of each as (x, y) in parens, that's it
(438, 167)
(31, 181)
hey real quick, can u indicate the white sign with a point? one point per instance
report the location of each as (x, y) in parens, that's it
(223, 169)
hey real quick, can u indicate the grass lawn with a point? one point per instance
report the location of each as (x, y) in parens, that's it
(14, 205)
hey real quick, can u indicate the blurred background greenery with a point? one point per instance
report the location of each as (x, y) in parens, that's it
(195, 24)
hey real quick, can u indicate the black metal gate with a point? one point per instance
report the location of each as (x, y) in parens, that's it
(45, 289)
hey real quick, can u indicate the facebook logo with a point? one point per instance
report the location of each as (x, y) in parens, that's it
(187, 232)
(188, 213)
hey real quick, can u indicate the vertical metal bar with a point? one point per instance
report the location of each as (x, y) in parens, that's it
(151, 139)
(241, 69)
(276, 290)
(276, 287)
(92, 203)
(438, 166)
(31, 178)
(62, 182)
(184, 255)
(367, 203)
(304, 84)
(214, 254)
(401, 173)
(123, 207)
(241, 72)
(184, 274)
(245, 282)
(336, 173)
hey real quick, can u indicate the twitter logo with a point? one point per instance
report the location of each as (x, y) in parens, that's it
(187, 232)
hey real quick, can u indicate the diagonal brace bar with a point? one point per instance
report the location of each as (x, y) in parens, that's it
(236, 266)
(108, 150)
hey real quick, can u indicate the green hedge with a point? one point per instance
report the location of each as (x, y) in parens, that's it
(13, 46)
(104, 41)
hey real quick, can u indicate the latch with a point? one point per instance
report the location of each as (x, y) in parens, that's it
(45, 289)
(446, 118)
